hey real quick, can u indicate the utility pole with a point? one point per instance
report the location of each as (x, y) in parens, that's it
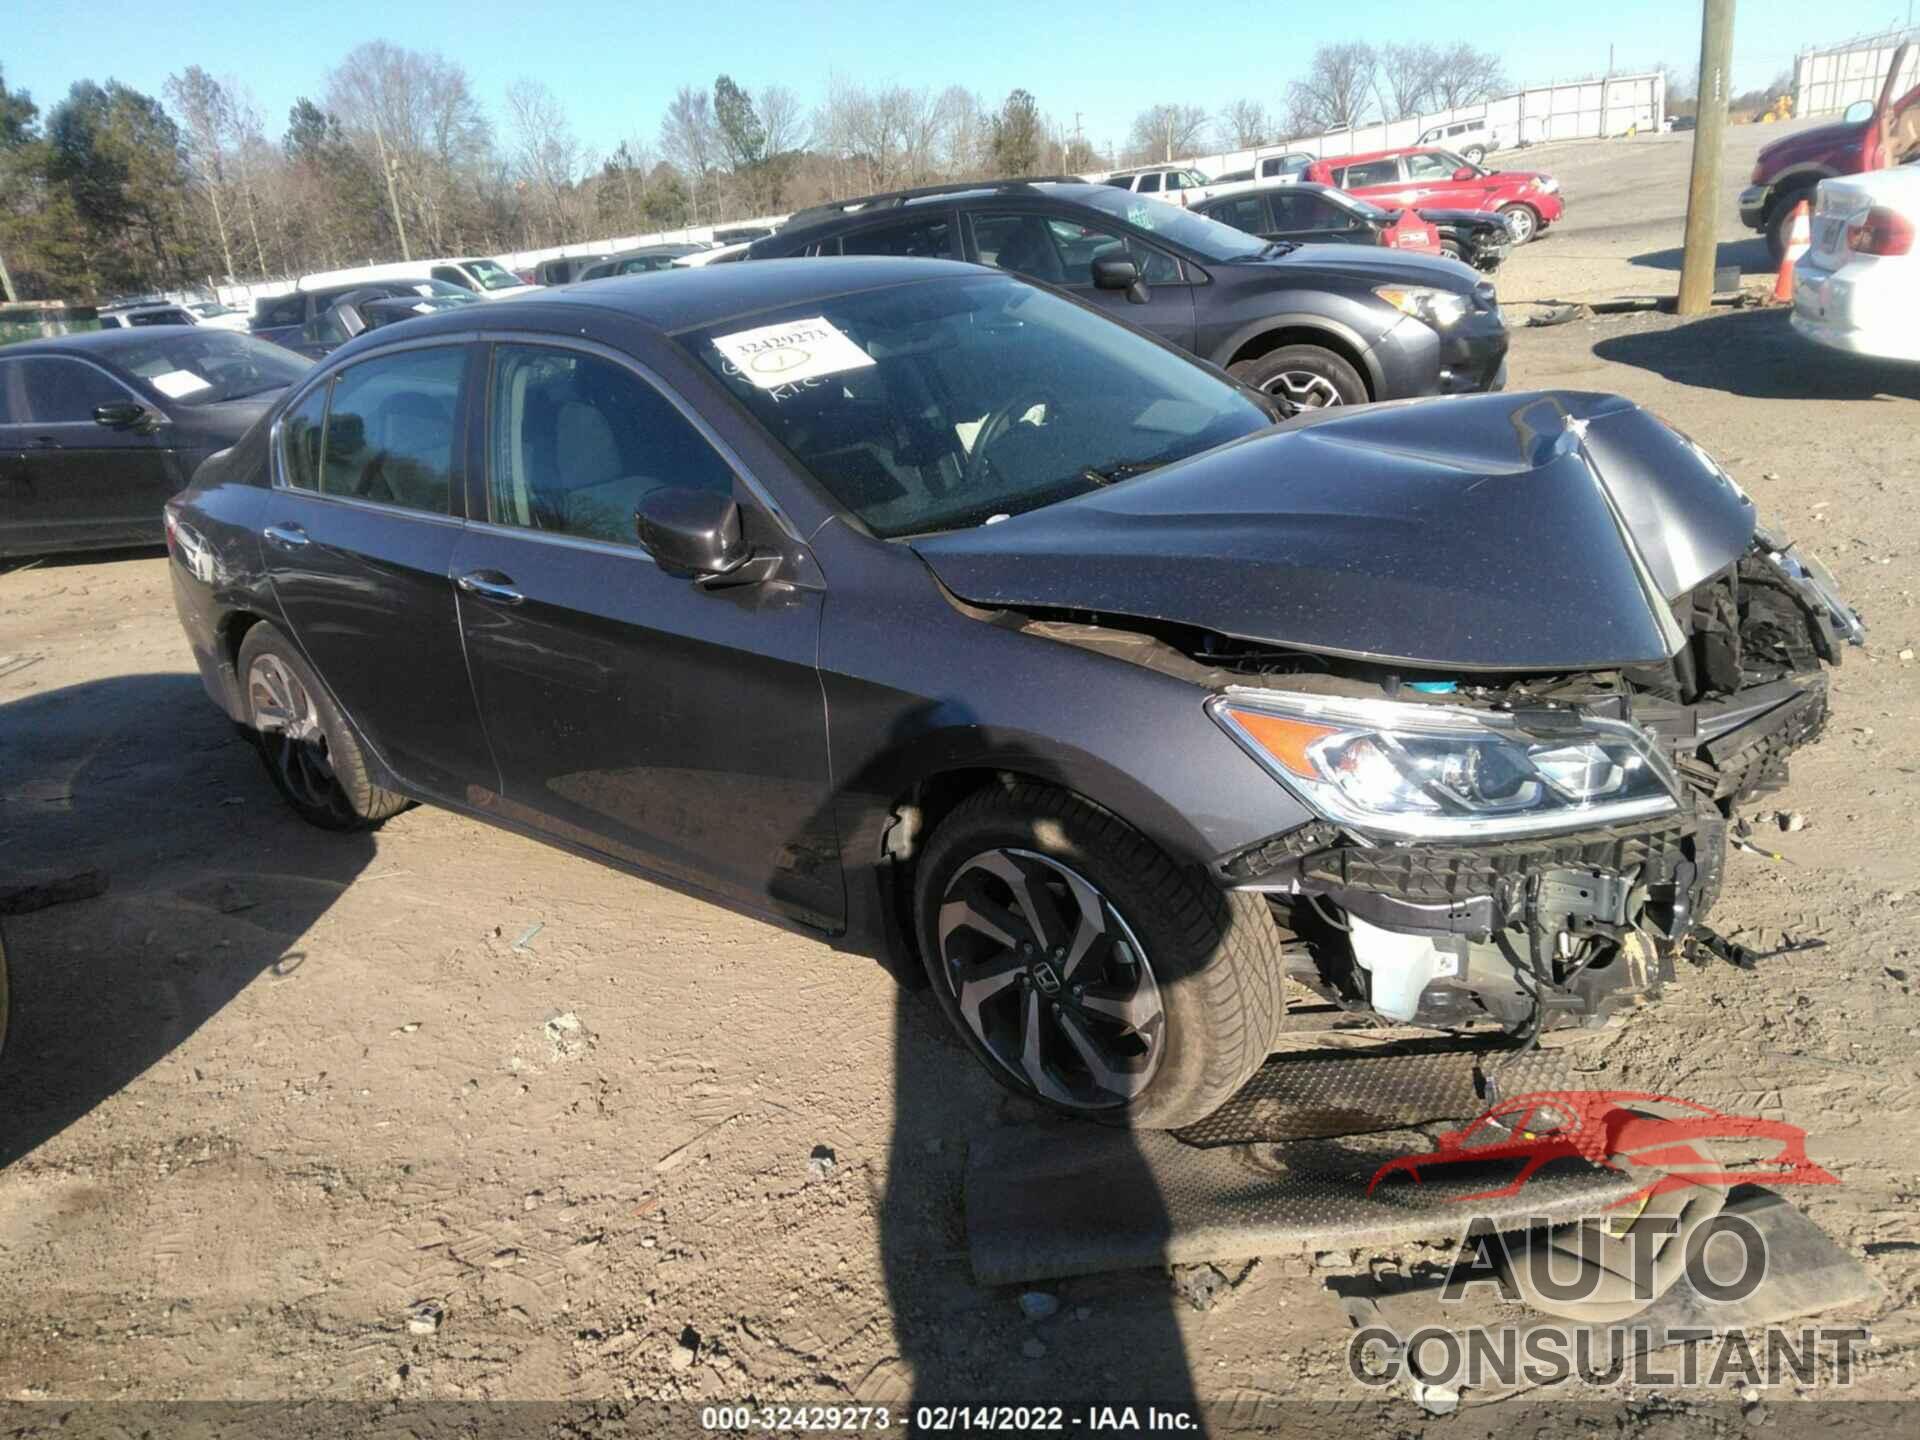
(1701, 248)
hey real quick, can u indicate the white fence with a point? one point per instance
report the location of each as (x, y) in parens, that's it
(1825, 82)
(1582, 110)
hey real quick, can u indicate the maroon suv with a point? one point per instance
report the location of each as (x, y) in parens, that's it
(1869, 136)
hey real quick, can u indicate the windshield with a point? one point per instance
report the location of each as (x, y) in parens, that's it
(191, 366)
(949, 403)
(438, 290)
(491, 274)
(210, 310)
(1365, 209)
(1208, 239)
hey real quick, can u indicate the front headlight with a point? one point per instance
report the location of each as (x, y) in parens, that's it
(1443, 772)
(1438, 308)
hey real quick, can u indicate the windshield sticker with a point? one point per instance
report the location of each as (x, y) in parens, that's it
(778, 355)
(178, 384)
(1141, 215)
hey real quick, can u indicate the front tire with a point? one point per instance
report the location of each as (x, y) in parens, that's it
(1303, 377)
(308, 747)
(1086, 968)
(1523, 222)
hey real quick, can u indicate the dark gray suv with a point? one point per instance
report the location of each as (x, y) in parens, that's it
(1311, 325)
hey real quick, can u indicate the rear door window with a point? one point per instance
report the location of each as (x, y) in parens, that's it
(300, 432)
(1373, 172)
(1149, 184)
(391, 428)
(280, 310)
(1247, 212)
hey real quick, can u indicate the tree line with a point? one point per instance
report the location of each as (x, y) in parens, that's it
(110, 191)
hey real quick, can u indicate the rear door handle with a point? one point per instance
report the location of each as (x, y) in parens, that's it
(45, 442)
(490, 585)
(288, 537)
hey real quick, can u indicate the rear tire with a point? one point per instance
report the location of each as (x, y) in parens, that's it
(1088, 970)
(1303, 377)
(1474, 154)
(308, 748)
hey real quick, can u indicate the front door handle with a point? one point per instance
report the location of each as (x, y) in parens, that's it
(287, 537)
(45, 442)
(490, 585)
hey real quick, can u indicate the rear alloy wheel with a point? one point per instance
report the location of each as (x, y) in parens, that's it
(1522, 223)
(1087, 969)
(1474, 154)
(310, 752)
(1303, 377)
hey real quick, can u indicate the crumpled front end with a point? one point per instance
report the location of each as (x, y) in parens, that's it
(1560, 924)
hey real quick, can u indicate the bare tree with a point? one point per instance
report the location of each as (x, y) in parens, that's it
(1166, 131)
(207, 117)
(1245, 124)
(1465, 75)
(415, 118)
(1338, 89)
(688, 140)
(1405, 79)
(965, 133)
(547, 159)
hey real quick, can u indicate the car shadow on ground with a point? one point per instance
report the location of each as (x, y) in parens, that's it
(1757, 354)
(1752, 256)
(69, 558)
(210, 884)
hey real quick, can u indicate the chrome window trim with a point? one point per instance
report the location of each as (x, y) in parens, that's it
(646, 375)
(633, 551)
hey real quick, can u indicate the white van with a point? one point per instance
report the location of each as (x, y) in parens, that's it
(1471, 140)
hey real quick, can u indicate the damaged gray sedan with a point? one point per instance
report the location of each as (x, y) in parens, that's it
(937, 614)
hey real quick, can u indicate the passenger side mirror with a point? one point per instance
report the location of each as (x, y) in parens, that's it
(690, 532)
(1113, 272)
(1859, 112)
(1466, 172)
(122, 415)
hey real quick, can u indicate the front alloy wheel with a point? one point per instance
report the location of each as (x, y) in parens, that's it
(1088, 969)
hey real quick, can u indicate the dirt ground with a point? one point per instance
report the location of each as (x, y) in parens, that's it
(275, 1089)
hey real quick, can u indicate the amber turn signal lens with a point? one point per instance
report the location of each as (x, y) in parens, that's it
(1286, 740)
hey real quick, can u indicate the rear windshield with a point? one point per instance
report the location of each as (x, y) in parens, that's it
(1208, 239)
(950, 403)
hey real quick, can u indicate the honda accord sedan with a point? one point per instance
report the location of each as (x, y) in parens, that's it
(932, 611)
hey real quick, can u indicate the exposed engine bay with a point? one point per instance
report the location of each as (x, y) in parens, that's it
(1533, 932)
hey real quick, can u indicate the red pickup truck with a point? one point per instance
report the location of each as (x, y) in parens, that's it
(1423, 177)
(1870, 136)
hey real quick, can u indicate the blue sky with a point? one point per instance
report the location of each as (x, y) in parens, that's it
(615, 66)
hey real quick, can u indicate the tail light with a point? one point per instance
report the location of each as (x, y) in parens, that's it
(173, 528)
(1883, 232)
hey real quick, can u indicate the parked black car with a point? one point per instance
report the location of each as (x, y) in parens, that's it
(1312, 326)
(925, 609)
(373, 306)
(1308, 214)
(644, 261)
(98, 430)
(284, 319)
(563, 269)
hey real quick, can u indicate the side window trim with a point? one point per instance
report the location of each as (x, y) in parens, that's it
(647, 375)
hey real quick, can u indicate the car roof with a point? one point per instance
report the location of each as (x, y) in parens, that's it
(100, 343)
(690, 299)
(1010, 192)
(1338, 160)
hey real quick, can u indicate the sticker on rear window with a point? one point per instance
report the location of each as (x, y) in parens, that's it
(177, 384)
(777, 355)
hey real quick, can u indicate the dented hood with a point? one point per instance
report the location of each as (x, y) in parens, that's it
(1529, 532)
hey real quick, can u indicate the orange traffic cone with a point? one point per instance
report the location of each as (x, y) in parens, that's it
(1799, 241)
